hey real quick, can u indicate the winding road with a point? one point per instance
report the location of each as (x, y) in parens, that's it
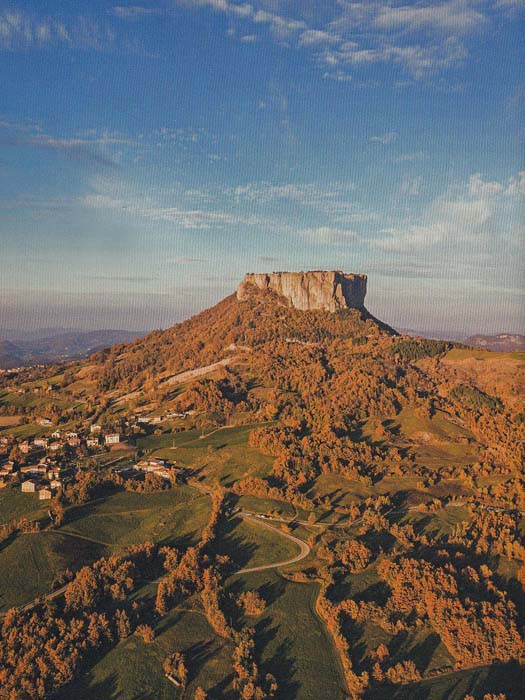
(304, 548)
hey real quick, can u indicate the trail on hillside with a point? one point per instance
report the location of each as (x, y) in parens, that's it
(304, 548)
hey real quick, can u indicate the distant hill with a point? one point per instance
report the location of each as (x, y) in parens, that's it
(63, 346)
(503, 342)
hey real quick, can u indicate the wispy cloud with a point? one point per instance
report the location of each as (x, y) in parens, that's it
(94, 146)
(135, 11)
(181, 218)
(384, 139)
(23, 30)
(421, 39)
(479, 218)
(448, 18)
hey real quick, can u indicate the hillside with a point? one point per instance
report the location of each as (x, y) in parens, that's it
(301, 503)
(502, 342)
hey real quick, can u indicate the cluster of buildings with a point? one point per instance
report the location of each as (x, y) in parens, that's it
(155, 420)
(59, 439)
(45, 477)
(151, 465)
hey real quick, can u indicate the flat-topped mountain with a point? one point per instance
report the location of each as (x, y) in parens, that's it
(330, 290)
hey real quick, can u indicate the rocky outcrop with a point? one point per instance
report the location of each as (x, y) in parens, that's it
(325, 290)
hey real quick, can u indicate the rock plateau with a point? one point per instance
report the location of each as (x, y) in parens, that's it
(325, 290)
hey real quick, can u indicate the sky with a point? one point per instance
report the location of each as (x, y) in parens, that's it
(152, 153)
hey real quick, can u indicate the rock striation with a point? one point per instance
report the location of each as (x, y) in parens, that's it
(326, 290)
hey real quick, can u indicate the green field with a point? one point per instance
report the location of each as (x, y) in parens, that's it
(29, 563)
(291, 640)
(508, 679)
(223, 455)
(465, 353)
(15, 504)
(249, 544)
(124, 518)
(133, 670)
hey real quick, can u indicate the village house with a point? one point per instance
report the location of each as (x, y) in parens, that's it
(74, 442)
(54, 446)
(25, 447)
(112, 439)
(54, 473)
(92, 442)
(154, 466)
(41, 442)
(56, 484)
(45, 494)
(71, 435)
(56, 434)
(95, 428)
(30, 486)
(44, 421)
(34, 469)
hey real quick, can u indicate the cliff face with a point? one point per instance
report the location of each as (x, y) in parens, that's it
(326, 290)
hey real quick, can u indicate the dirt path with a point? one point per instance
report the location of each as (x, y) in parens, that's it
(198, 372)
(304, 548)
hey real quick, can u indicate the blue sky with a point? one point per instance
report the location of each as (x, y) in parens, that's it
(150, 154)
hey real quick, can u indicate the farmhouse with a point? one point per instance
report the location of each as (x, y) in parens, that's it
(44, 421)
(30, 486)
(154, 466)
(45, 494)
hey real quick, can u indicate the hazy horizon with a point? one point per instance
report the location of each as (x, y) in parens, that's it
(115, 314)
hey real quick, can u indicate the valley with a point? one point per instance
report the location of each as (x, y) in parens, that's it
(268, 502)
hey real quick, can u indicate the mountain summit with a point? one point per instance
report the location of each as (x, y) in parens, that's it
(331, 290)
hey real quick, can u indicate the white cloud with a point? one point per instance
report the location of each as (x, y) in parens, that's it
(112, 194)
(190, 219)
(21, 30)
(449, 18)
(314, 37)
(385, 139)
(481, 217)
(411, 186)
(338, 75)
(135, 11)
(309, 194)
